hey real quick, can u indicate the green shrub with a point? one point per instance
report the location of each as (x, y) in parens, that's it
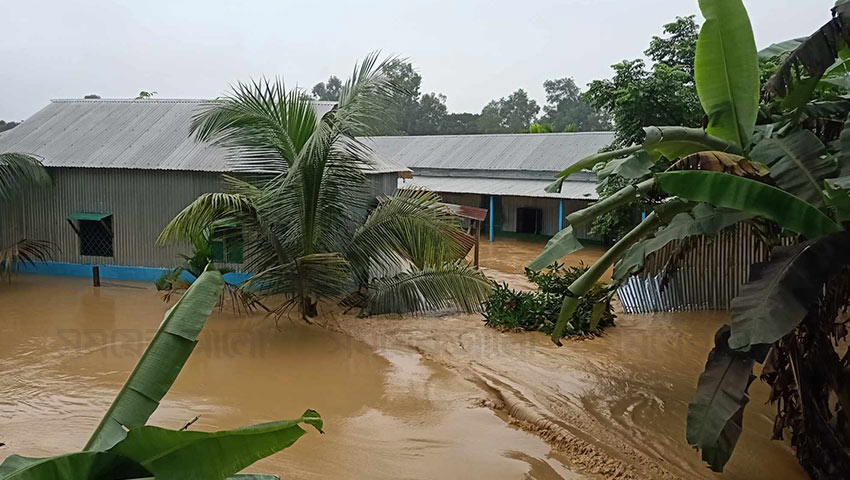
(511, 309)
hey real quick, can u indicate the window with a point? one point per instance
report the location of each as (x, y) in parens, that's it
(226, 245)
(96, 237)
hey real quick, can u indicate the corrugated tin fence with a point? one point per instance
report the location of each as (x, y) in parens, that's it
(705, 273)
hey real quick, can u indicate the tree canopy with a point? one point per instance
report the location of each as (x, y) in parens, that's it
(328, 90)
(664, 93)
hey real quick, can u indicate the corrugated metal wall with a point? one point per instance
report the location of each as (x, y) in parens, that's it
(142, 202)
(384, 183)
(710, 274)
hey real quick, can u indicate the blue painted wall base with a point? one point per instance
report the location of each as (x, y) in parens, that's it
(112, 272)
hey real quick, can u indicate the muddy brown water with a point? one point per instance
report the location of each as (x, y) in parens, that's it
(66, 348)
(432, 397)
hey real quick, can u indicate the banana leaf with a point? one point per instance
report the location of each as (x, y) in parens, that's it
(780, 49)
(160, 363)
(844, 154)
(565, 241)
(188, 455)
(670, 142)
(837, 197)
(780, 292)
(716, 412)
(704, 219)
(749, 196)
(814, 56)
(726, 71)
(632, 167)
(82, 465)
(798, 162)
(559, 246)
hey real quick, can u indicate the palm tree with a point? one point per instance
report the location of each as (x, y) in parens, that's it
(304, 204)
(20, 172)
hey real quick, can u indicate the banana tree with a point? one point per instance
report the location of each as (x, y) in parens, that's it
(774, 163)
(124, 447)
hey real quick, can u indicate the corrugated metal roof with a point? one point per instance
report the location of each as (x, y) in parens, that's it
(502, 186)
(148, 134)
(550, 152)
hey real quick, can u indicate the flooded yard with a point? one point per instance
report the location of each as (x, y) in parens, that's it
(429, 397)
(66, 348)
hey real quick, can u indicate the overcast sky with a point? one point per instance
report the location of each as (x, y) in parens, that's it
(472, 51)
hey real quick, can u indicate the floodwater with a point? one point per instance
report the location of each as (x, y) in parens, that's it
(512, 254)
(66, 348)
(428, 397)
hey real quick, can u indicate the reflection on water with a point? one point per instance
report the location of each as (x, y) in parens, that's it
(66, 348)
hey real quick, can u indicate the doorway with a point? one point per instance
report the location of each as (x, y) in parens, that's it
(529, 220)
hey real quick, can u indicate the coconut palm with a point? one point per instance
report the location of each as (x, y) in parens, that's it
(20, 172)
(304, 204)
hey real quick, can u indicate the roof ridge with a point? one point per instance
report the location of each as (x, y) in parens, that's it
(455, 135)
(152, 100)
(130, 100)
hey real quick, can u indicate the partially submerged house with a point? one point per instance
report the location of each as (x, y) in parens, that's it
(121, 170)
(504, 173)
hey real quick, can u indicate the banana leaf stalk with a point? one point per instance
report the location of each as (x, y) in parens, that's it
(565, 242)
(608, 204)
(662, 215)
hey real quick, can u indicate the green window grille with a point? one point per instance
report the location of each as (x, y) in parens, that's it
(95, 233)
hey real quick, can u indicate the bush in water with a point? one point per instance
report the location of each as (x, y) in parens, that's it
(511, 309)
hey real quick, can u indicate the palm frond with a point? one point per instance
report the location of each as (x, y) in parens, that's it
(26, 252)
(18, 172)
(410, 225)
(365, 98)
(303, 282)
(204, 212)
(450, 286)
(262, 125)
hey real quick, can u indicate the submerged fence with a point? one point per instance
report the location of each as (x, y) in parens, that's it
(698, 273)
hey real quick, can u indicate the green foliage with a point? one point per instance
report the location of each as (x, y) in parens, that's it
(716, 412)
(540, 128)
(749, 196)
(727, 72)
(170, 454)
(20, 172)
(4, 125)
(328, 91)
(507, 308)
(567, 111)
(612, 225)
(508, 114)
(664, 94)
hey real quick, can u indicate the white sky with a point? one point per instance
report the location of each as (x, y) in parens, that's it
(470, 50)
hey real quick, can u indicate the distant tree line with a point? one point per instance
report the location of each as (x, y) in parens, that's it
(420, 113)
(8, 125)
(636, 96)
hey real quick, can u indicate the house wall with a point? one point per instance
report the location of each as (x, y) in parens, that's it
(384, 183)
(142, 203)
